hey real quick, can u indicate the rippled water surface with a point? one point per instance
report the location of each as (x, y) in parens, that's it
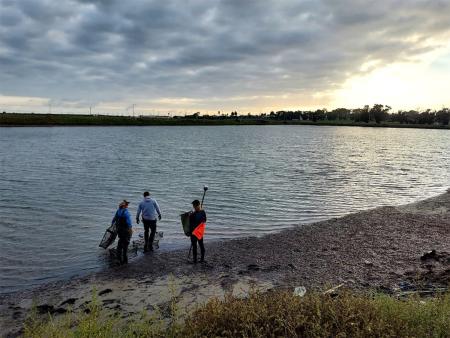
(59, 187)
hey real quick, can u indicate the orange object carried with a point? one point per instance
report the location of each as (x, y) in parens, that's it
(199, 231)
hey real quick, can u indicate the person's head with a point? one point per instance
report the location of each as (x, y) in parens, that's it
(146, 194)
(124, 204)
(196, 205)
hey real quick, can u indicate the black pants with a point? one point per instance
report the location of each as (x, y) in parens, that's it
(194, 241)
(152, 226)
(122, 245)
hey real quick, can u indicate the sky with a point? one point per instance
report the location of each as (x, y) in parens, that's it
(176, 57)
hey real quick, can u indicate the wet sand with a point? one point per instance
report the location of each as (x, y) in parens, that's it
(379, 249)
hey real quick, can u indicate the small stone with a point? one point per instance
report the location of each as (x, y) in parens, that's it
(429, 255)
(104, 292)
(45, 308)
(252, 267)
(60, 310)
(69, 301)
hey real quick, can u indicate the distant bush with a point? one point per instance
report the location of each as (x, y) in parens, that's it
(266, 315)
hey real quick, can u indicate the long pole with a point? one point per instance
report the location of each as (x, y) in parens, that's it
(203, 198)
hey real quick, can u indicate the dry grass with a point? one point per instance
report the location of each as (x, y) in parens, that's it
(272, 314)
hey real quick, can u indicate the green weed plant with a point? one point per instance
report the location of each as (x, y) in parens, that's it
(272, 314)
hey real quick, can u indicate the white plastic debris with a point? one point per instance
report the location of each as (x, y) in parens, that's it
(299, 291)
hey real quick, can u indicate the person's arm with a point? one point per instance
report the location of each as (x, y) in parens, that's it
(158, 210)
(138, 213)
(203, 217)
(128, 218)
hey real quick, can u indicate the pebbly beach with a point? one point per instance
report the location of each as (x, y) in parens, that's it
(389, 249)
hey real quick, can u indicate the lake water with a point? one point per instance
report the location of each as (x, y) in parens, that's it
(60, 186)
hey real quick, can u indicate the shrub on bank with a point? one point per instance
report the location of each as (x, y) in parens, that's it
(270, 314)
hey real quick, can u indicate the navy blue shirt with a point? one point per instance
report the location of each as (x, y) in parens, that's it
(196, 218)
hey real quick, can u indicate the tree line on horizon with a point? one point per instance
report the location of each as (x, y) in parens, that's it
(378, 113)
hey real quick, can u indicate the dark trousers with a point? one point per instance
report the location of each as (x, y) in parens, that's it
(194, 241)
(152, 226)
(122, 245)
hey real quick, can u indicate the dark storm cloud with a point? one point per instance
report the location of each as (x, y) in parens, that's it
(115, 49)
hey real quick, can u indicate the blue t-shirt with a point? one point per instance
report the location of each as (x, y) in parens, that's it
(123, 212)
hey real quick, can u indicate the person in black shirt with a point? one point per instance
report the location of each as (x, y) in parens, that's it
(197, 222)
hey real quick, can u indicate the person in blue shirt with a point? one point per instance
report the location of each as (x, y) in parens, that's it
(122, 219)
(150, 210)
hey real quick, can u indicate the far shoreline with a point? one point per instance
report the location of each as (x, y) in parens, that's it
(11, 120)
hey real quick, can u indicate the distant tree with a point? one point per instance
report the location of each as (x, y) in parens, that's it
(427, 117)
(332, 115)
(297, 115)
(319, 114)
(365, 116)
(342, 113)
(412, 116)
(361, 114)
(443, 116)
(379, 112)
(307, 115)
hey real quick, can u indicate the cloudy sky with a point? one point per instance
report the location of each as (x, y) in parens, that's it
(209, 55)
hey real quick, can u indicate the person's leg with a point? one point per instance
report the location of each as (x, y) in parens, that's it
(146, 227)
(125, 249)
(194, 247)
(202, 250)
(152, 234)
(119, 249)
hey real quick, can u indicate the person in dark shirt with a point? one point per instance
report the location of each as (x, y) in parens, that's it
(197, 222)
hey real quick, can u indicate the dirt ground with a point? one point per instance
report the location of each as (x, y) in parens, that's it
(389, 249)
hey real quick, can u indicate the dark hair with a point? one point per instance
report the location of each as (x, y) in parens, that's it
(146, 194)
(195, 203)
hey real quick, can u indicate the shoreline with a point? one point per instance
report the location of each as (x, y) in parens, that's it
(11, 120)
(377, 249)
(252, 123)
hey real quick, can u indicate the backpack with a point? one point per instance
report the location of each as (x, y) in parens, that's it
(121, 221)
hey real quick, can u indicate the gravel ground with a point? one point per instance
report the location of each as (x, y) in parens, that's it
(382, 249)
